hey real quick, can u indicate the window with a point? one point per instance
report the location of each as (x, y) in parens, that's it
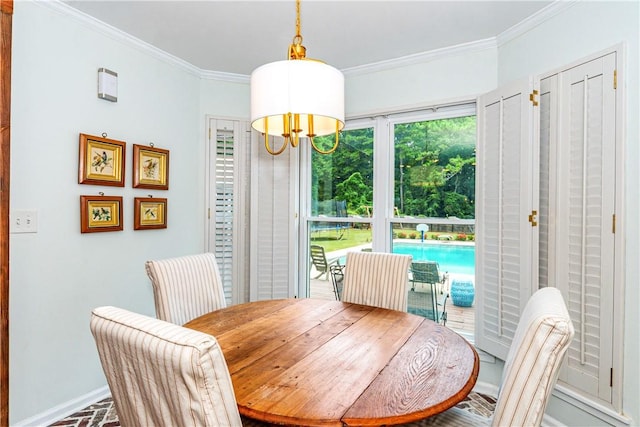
(389, 175)
(341, 200)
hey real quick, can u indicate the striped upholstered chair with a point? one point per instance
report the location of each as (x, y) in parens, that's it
(541, 340)
(376, 278)
(161, 374)
(186, 287)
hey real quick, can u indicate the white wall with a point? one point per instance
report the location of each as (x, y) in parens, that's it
(462, 74)
(58, 274)
(583, 29)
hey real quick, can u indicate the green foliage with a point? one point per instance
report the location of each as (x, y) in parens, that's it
(434, 172)
(354, 191)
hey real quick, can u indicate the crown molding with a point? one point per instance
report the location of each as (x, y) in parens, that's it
(225, 77)
(534, 20)
(422, 57)
(126, 38)
(517, 30)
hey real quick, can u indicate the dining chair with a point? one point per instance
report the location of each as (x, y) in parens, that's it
(377, 278)
(161, 374)
(186, 287)
(541, 340)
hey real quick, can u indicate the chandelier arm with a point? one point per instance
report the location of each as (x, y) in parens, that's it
(329, 151)
(273, 152)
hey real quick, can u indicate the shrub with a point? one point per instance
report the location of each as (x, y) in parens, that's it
(402, 235)
(461, 236)
(413, 235)
(471, 237)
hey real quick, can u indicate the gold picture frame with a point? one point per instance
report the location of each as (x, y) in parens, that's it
(150, 167)
(102, 161)
(100, 213)
(149, 213)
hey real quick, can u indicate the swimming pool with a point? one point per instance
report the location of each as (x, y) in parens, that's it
(458, 259)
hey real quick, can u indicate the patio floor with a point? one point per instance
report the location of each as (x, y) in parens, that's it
(460, 319)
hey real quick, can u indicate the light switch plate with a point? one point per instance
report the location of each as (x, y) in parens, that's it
(24, 221)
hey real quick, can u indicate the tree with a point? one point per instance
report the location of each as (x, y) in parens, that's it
(355, 192)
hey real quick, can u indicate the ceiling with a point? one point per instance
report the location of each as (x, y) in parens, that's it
(236, 36)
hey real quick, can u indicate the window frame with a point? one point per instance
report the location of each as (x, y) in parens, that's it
(382, 217)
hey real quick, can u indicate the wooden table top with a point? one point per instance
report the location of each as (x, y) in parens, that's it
(316, 362)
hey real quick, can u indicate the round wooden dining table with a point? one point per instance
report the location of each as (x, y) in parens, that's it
(315, 362)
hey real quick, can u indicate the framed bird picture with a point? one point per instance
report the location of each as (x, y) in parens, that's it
(100, 213)
(150, 167)
(149, 213)
(101, 161)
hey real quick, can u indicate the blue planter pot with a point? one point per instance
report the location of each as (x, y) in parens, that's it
(462, 293)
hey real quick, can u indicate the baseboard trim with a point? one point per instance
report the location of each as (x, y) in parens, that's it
(486, 388)
(65, 409)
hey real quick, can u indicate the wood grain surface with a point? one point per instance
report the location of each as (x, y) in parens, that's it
(6, 24)
(321, 363)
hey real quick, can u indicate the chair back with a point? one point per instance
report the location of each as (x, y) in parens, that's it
(161, 374)
(378, 279)
(319, 258)
(531, 369)
(425, 271)
(186, 287)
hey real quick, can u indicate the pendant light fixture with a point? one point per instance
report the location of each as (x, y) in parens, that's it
(297, 97)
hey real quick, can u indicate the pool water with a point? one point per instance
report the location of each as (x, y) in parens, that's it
(458, 259)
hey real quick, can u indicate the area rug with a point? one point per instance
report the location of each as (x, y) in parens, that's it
(103, 413)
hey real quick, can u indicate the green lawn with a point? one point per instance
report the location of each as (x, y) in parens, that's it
(333, 240)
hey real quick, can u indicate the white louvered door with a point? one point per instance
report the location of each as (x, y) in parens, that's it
(506, 265)
(574, 245)
(274, 220)
(585, 242)
(227, 198)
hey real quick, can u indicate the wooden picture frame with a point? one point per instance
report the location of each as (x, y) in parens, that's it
(102, 161)
(100, 213)
(149, 213)
(150, 167)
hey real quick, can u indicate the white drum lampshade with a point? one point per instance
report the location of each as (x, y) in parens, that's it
(304, 87)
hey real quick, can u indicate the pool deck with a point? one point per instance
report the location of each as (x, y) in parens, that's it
(460, 319)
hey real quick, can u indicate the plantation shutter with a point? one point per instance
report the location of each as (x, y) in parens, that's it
(273, 221)
(227, 201)
(586, 206)
(548, 182)
(506, 266)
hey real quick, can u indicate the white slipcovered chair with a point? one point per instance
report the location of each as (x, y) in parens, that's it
(186, 287)
(377, 279)
(539, 345)
(161, 374)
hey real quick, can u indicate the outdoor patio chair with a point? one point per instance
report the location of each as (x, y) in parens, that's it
(541, 340)
(427, 272)
(186, 287)
(428, 304)
(337, 278)
(320, 262)
(377, 279)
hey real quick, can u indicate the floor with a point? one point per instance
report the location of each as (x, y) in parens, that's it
(103, 413)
